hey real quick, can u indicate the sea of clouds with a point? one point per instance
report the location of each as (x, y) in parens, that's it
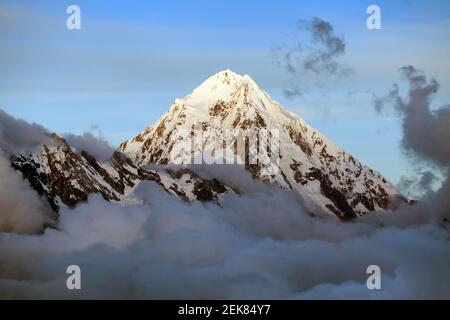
(261, 245)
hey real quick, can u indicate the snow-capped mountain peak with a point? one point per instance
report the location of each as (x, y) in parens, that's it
(227, 118)
(227, 104)
(221, 86)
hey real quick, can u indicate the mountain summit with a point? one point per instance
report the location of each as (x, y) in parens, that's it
(326, 177)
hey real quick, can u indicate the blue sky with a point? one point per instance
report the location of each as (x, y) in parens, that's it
(131, 59)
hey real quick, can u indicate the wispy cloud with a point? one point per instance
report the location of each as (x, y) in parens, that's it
(319, 55)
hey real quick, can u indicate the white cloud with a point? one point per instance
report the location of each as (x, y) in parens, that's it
(262, 245)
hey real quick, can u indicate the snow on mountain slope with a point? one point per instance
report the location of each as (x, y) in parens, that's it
(324, 175)
(65, 177)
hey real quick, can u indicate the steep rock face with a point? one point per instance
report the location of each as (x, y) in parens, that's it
(66, 177)
(227, 104)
